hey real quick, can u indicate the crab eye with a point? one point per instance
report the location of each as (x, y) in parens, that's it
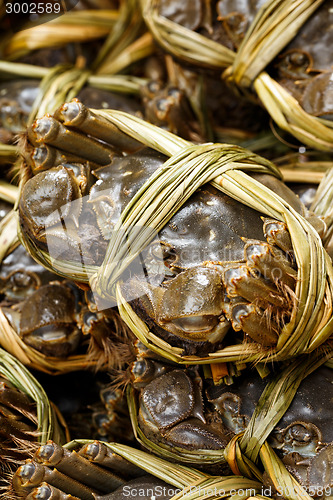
(174, 92)
(298, 58)
(299, 433)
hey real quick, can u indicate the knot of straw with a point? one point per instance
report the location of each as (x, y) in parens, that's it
(238, 462)
(274, 26)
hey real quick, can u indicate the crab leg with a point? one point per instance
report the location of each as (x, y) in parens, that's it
(239, 281)
(99, 453)
(75, 114)
(270, 262)
(44, 157)
(249, 318)
(31, 474)
(48, 492)
(50, 131)
(77, 467)
(276, 233)
(15, 399)
(10, 426)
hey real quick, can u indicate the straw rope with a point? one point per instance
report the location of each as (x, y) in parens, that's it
(193, 484)
(274, 26)
(48, 425)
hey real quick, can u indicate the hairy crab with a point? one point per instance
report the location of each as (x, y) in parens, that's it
(221, 265)
(304, 66)
(47, 319)
(55, 317)
(180, 413)
(258, 56)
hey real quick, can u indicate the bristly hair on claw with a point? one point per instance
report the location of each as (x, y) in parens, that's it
(109, 342)
(8, 464)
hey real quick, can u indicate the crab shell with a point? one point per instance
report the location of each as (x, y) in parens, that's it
(47, 319)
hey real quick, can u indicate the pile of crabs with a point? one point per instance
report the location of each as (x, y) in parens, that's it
(166, 290)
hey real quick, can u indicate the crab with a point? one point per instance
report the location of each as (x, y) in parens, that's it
(170, 413)
(180, 410)
(303, 437)
(99, 412)
(47, 319)
(55, 317)
(21, 276)
(303, 67)
(217, 263)
(94, 471)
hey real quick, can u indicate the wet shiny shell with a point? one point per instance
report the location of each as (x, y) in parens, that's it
(50, 304)
(208, 227)
(311, 405)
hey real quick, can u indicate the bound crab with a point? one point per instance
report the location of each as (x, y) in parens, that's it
(215, 265)
(262, 48)
(181, 415)
(55, 318)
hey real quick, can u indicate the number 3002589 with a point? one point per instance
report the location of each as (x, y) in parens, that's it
(33, 8)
